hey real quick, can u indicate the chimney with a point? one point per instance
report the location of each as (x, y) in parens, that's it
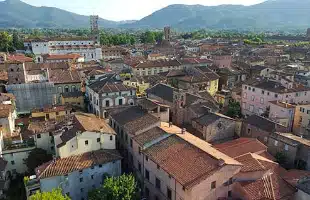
(170, 124)
(183, 131)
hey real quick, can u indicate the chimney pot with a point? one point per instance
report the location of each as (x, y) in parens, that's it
(183, 130)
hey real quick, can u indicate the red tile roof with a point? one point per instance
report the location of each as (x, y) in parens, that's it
(241, 146)
(253, 162)
(63, 57)
(270, 187)
(70, 164)
(19, 58)
(182, 160)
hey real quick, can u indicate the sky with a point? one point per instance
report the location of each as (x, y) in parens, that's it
(126, 9)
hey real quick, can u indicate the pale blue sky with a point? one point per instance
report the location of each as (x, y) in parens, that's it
(125, 9)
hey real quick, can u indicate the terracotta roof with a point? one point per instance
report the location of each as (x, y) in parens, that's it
(149, 136)
(5, 110)
(48, 109)
(269, 187)
(64, 76)
(40, 66)
(19, 57)
(36, 127)
(182, 160)
(158, 63)
(293, 137)
(6, 97)
(63, 57)
(254, 162)
(89, 122)
(209, 118)
(241, 146)
(70, 164)
(185, 157)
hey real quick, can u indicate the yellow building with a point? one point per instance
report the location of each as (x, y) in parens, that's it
(73, 99)
(213, 88)
(302, 120)
(51, 112)
(139, 83)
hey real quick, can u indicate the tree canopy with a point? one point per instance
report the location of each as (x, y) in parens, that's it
(234, 110)
(36, 158)
(123, 187)
(54, 195)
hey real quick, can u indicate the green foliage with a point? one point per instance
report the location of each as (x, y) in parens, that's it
(281, 158)
(36, 158)
(54, 195)
(117, 39)
(26, 180)
(123, 187)
(5, 41)
(234, 110)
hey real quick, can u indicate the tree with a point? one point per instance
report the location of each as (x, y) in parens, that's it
(16, 42)
(36, 158)
(5, 41)
(281, 158)
(234, 110)
(123, 187)
(55, 194)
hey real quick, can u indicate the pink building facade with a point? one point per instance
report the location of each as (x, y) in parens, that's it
(222, 61)
(256, 96)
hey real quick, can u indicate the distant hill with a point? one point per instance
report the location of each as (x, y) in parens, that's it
(15, 13)
(271, 14)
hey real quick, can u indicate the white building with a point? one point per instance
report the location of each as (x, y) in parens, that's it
(77, 175)
(88, 133)
(86, 48)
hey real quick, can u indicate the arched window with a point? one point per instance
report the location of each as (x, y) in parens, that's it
(66, 88)
(73, 88)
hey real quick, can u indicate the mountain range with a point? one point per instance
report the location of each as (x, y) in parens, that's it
(269, 15)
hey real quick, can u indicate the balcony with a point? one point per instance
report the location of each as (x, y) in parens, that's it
(10, 144)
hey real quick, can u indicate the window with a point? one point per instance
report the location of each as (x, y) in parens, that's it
(81, 180)
(268, 93)
(39, 136)
(130, 142)
(244, 95)
(98, 139)
(107, 103)
(86, 142)
(80, 171)
(286, 147)
(13, 162)
(147, 174)
(92, 176)
(249, 131)
(245, 87)
(253, 98)
(263, 92)
(146, 158)
(296, 94)
(120, 102)
(139, 167)
(140, 150)
(249, 88)
(251, 108)
(66, 88)
(276, 95)
(169, 193)
(100, 166)
(253, 90)
(157, 183)
(275, 143)
(52, 148)
(213, 185)
(82, 189)
(229, 194)
(262, 100)
(57, 113)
